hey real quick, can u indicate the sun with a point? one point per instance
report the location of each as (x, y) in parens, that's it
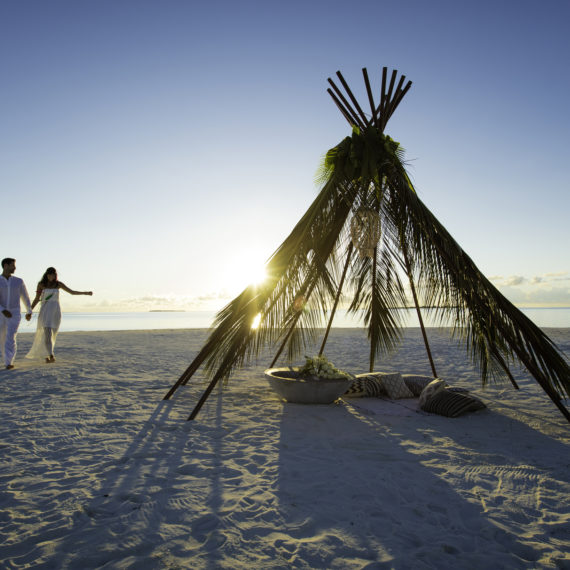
(256, 275)
(247, 267)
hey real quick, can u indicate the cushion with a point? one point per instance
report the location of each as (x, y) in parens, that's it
(416, 383)
(395, 386)
(366, 385)
(357, 389)
(452, 404)
(431, 390)
(374, 386)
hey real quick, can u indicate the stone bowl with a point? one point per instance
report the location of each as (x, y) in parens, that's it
(287, 383)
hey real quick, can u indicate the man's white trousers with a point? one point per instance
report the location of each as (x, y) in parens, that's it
(8, 330)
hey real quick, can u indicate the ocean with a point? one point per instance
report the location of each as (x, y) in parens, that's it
(557, 317)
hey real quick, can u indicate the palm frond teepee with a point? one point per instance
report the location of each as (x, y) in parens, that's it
(368, 228)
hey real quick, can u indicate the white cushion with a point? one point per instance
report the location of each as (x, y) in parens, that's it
(431, 390)
(395, 386)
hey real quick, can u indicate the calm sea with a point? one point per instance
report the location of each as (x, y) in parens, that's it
(544, 317)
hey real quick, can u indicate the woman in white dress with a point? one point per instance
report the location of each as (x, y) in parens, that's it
(49, 318)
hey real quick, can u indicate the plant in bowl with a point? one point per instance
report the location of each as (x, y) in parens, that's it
(321, 367)
(318, 381)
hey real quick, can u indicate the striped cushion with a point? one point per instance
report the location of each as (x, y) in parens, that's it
(457, 389)
(416, 383)
(374, 386)
(366, 385)
(357, 389)
(452, 404)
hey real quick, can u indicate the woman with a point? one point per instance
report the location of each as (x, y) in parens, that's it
(50, 314)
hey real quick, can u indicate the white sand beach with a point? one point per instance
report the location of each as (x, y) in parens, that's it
(99, 472)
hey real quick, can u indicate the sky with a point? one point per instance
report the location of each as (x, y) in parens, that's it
(158, 152)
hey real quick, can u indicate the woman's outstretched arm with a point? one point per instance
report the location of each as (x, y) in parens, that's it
(72, 292)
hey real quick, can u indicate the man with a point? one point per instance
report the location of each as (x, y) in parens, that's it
(12, 289)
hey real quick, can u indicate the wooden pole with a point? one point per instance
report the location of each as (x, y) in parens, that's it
(352, 98)
(296, 318)
(416, 303)
(399, 98)
(382, 98)
(372, 344)
(204, 397)
(389, 110)
(357, 120)
(350, 248)
(217, 377)
(196, 363)
(344, 112)
(370, 96)
(387, 97)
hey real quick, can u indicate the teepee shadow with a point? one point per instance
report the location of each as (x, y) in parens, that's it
(138, 506)
(366, 488)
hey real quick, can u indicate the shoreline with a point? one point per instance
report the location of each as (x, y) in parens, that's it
(208, 329)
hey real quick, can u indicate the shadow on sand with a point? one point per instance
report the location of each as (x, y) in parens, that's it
(359, 490)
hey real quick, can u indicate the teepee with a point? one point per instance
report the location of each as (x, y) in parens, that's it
(365, 236)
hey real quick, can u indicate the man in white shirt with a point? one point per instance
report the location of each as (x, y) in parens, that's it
(12, 289)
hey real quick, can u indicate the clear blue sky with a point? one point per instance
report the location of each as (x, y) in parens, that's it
(155, 151)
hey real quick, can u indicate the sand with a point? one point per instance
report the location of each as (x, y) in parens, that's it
(98, 472)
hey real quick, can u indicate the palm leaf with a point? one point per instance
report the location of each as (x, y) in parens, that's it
(493, 329)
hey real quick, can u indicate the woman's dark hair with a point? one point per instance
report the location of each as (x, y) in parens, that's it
(49, 271)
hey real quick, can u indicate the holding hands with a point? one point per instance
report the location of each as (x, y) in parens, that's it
(8, 315)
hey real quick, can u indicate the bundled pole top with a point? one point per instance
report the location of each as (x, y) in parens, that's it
(379, 114)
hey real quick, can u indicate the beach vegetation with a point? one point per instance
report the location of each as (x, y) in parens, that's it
(319, 366)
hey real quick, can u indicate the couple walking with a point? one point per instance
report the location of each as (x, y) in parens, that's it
(12, 292)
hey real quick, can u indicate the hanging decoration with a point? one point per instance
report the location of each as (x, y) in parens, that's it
(365, 231)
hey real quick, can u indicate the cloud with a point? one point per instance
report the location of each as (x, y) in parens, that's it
(514, 280)
(534, 286)
(558, 275)
(562, 277)
(549, 289)
(551, 277)
(211, 301)
(224, 295)
(538, 296)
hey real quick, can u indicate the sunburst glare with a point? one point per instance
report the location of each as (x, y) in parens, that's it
(246, 268)
(256, 321)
